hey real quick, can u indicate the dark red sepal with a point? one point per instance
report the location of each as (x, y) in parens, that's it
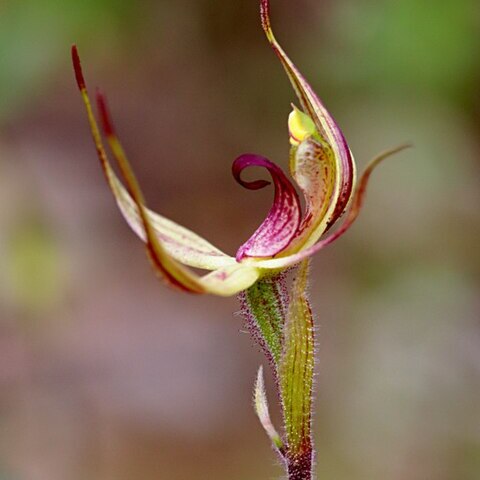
(78, 68)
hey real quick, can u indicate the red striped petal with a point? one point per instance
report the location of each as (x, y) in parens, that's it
(281, 224)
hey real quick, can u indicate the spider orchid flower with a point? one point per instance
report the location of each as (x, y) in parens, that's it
(321, 164)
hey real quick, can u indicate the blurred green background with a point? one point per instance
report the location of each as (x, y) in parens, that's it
(105, 374)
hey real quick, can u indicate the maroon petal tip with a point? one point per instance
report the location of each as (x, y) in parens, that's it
(77, 66)
(265, 14)
(105, 117)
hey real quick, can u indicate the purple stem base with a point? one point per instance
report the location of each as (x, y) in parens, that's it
(300, 467)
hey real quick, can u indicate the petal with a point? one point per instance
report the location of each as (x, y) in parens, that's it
(312, 165)
(180, 243)
(356, 205)
(327, 128)
(230, 280)
(225, 281)
(283, 219)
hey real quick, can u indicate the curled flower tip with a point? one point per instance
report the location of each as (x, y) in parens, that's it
(78, 69)
(105, 117)
(300, 126)
(245, 161)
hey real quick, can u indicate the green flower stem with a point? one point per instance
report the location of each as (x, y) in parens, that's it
(281, 322)
(296, 379)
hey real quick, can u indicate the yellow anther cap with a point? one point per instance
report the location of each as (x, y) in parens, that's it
(300, 126)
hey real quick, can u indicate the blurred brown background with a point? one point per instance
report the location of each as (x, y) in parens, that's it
(104, 373)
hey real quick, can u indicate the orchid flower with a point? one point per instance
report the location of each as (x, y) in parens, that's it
(280, 320)
(321, 165)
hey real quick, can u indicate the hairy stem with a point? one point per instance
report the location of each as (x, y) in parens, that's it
(296, 379)
(300, 467)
